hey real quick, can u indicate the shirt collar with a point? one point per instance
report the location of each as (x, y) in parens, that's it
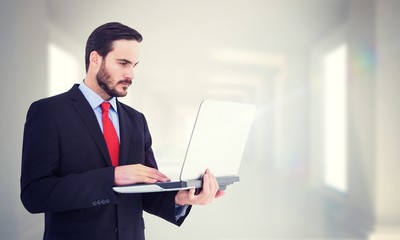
(94, 99)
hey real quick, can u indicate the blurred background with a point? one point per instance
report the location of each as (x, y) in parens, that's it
(322, 158)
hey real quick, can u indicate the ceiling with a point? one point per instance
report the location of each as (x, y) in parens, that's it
(224, 47)
(279, 25)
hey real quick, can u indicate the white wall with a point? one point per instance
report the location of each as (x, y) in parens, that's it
(24, 79)
(236, 51)
(354, 207)
(387, 138)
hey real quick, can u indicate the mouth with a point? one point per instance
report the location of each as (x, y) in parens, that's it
(125, 82)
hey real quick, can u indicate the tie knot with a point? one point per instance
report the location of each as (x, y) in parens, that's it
(105, 106)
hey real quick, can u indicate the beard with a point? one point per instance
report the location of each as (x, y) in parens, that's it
(106, 83)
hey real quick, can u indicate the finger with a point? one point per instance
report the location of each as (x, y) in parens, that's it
(219, 193)
(206, 184)
(144, 179)
(204, 196)
(210, 193)
(139, 173)
(152, 173)
(214, 186)
(191, 195)
(213, 183)
(159, 176)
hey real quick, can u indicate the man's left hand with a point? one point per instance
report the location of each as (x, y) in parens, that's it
(209, 192)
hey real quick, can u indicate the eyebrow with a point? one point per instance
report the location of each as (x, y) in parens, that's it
(127, 61)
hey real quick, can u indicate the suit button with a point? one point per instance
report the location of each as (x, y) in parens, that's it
(103, 201)
(94, 203)
(107, 200)
(98, 202)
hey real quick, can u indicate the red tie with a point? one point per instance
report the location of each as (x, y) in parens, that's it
(110, 135)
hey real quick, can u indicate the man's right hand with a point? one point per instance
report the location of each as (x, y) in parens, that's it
(137, 173)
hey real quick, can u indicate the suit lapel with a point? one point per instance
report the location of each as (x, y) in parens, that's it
(125, 128)
(88, 117)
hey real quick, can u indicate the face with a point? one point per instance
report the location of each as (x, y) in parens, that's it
(116, 71)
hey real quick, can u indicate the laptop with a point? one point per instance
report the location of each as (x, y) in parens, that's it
(217, 142)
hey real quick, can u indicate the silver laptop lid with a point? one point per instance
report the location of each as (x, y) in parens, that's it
(218, 139)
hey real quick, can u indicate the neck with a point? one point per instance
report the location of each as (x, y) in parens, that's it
(91, 82)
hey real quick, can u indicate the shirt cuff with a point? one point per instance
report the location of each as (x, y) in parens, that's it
(180, 211)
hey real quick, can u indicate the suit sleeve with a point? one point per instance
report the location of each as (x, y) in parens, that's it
(159, 204)
(42, 188)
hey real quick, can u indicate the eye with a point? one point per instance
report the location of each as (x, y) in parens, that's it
(123, 63)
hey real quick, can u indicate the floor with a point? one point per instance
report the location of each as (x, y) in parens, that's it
(266, 204)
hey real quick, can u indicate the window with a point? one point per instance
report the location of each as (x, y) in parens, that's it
(335, 127)
(63, 70)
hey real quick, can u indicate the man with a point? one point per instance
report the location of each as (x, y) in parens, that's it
(79, 144)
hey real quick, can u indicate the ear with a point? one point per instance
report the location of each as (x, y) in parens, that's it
(95, 59)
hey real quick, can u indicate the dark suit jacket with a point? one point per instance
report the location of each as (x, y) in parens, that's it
(67, 172)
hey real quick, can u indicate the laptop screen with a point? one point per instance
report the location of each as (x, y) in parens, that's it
(218, 139)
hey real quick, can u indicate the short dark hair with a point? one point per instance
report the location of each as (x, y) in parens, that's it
(102, 38)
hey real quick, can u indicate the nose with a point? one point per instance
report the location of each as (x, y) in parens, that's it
(129, 74)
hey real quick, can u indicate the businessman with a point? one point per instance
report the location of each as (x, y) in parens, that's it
(79, 144)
